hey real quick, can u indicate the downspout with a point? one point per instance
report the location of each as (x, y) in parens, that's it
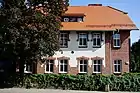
(110, 55)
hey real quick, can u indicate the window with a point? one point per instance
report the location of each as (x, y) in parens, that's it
(49, 66)
(63, 66)
(116, 40)
(79, 19)
(97, 66)
(64, 39)
(72, 19)
(117, 66)
(28, 68)
(66, 19)
(96, 39)
(83, 37)
(83, 66)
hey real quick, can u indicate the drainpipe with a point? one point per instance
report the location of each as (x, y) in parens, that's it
(110, 54)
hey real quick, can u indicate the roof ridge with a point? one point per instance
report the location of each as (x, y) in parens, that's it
(117, 9)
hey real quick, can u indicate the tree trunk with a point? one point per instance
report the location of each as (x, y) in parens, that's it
(21, 68)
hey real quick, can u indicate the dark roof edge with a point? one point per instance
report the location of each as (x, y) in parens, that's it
(117, 9)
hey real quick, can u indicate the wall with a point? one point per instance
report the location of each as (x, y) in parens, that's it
(106, 51)
(114, 53)
(79, 52)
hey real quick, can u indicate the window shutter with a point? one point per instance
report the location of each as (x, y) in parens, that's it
(68, 36)
(101, 36)
(77, 36)
(87, 36)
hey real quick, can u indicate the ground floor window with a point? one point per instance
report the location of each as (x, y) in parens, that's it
(49, 66)
(97, 66)
(63, 66)
(28, 68)
(117, 66)
(83, 66)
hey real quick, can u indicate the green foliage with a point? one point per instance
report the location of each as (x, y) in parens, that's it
(27, 34)
(135, 57)
(126, 82)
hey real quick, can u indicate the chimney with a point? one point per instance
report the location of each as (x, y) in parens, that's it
(94, 4)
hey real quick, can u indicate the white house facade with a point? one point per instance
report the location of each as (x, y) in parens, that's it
(94, 39)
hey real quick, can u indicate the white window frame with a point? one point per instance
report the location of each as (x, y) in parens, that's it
(97, 36)
(101, 61)
(82, 39)
(117, 64)
(63, 66)
(63, 39)
(49, 62)
(83, 66)
(25, 67)
(116, 37)
(73, 19)
(79, 19)
(66, 19)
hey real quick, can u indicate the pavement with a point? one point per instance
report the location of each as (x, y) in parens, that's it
(22, 90)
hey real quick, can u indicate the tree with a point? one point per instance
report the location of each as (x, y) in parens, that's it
(29, 29)
(135, 57)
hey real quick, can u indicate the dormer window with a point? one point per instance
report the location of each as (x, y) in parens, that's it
(79, 19)
(66, 19)
(72, 19)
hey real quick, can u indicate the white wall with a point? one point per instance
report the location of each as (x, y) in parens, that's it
(78, 52)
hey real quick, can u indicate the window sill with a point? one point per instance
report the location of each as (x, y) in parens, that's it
(82, 47)
(82, 72)
(96, 72)
(96, 47)
(63, 46)
(117, 47)
(28, 72)
(48, 72)
(63, 72)
(117, 73)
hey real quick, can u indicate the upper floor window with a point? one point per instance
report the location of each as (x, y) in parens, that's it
(97, 66)
(117, 66)
(96, 37)
(72, 19)
(63, 66)
(49, 66)
(64, 37)
(116, 40)
(83, 66)
(83, 38)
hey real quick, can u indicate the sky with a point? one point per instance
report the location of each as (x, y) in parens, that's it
(130, 6)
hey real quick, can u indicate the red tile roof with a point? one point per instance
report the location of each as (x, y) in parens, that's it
(98, 17)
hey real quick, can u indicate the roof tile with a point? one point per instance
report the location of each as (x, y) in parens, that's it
(99, 18)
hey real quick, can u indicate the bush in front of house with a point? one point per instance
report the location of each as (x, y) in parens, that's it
(126, 82)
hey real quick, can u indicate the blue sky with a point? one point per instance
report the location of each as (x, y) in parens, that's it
(130, 6)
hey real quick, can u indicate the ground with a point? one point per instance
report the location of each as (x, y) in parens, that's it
(18, 90)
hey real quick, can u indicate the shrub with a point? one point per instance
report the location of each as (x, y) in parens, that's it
(126, 82)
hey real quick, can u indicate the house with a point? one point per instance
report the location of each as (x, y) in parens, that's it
(94, 39)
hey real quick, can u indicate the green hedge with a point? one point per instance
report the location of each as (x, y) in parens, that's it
(126, 82)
